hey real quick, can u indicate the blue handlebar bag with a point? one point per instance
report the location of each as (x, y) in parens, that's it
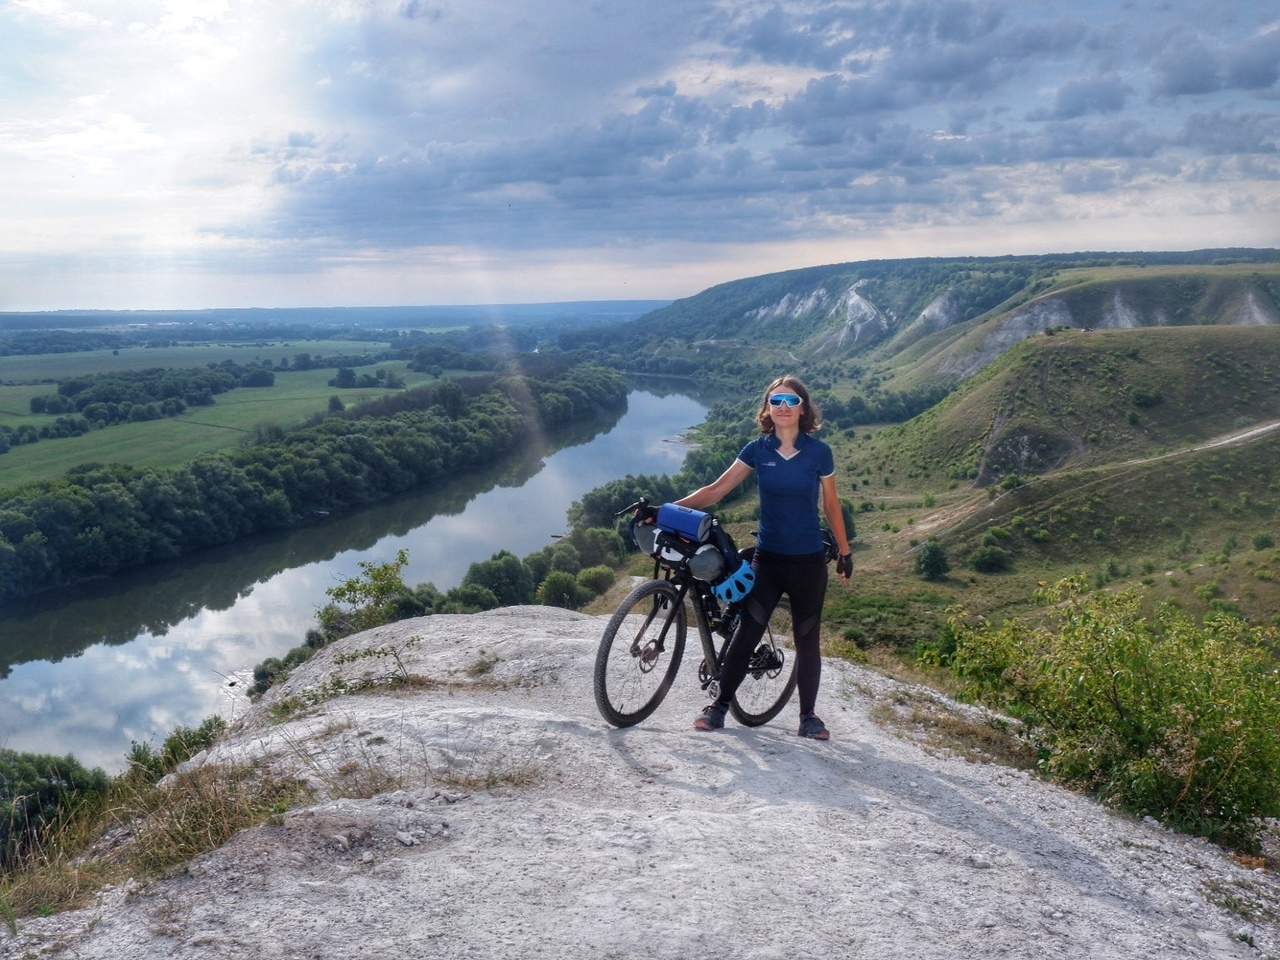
(685, 521)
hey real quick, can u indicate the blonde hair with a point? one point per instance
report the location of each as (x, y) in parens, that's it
(810, 415)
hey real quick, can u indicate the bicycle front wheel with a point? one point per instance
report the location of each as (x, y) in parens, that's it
(771, 675)
(640, 653)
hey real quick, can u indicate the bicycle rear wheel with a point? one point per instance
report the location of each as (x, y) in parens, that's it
(771, 676)
(640, 653)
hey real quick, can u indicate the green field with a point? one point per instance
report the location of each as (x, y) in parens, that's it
(47, 367)
(168, 442)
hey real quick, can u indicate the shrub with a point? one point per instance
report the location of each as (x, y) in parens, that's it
(561, 589)
(369, 599)
(989, 559)
(181, 745)
(931, 561)
(596, 580)
(1263, 541)
(1158, 714)
(36, 790)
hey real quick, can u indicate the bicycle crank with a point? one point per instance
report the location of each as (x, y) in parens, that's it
(709, 683)
(766, 659)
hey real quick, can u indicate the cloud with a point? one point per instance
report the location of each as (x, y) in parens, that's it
(1187, 66)
(1255, 63)
(1236, 133)
(166, 143)
(1077, 98)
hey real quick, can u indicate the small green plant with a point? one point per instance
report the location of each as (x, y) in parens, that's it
(365, 601)
(990, 559)
(932, 562)
(7, 912)
(484, 663)
(1158, 714)
(400, 674)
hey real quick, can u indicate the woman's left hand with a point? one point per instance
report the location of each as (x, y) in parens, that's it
(844, 566)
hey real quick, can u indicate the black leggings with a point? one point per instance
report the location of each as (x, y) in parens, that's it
(804, 580)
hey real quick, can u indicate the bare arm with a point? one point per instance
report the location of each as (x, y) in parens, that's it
(716, 490)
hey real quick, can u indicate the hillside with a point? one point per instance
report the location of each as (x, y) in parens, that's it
(1080, 398)
(487, 811)
(907, 324)
(1138, 456)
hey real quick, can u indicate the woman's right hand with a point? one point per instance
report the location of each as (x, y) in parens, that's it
(844, 566)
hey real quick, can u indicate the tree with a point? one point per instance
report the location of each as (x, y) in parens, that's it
(931, 561)
(371, 597)
(34, 790)
(346, 378)
(598, 546)
(561, 589)
(596, 580)
(505, 576)
(469, 598)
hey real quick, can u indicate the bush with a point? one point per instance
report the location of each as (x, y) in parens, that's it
(931, 561)
(1158, 714)
(181, 745)
(561, 589)
(990, 559)
(36, 790)
(366, 601)
(596, 580)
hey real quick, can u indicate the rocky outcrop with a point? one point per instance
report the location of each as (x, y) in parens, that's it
(480, 807)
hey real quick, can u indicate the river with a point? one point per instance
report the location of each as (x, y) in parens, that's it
(91, 670)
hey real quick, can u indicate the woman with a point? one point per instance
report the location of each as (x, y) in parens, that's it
(793, 471)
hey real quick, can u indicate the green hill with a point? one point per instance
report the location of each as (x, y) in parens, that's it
(1079, 398)
(920, 324)
(1137, 455)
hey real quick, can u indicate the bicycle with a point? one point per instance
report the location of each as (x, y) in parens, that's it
(643, 644)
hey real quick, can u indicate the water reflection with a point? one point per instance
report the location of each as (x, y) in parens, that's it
(130, 659)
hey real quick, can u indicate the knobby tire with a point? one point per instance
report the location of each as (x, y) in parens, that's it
(765, 690)
(632, 676)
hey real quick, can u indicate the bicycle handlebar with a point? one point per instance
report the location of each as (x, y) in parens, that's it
(828, 539)
(637, 506)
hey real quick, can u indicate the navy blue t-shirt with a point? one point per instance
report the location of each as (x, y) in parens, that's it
(788, 490)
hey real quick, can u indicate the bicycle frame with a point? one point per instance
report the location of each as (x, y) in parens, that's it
(706, 615)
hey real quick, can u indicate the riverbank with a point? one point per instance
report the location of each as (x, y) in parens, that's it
(179, 642)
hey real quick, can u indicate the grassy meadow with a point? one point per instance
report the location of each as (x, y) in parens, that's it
(48, 367)
(170, 441)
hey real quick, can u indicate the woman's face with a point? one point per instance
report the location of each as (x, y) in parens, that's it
(785, 406)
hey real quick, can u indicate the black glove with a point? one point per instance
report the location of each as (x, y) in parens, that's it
(647, 515)
(844, 566)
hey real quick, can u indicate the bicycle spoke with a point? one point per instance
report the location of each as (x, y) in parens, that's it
(639, 653)
(771, 674)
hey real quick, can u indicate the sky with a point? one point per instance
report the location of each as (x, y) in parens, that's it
(182, 154)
